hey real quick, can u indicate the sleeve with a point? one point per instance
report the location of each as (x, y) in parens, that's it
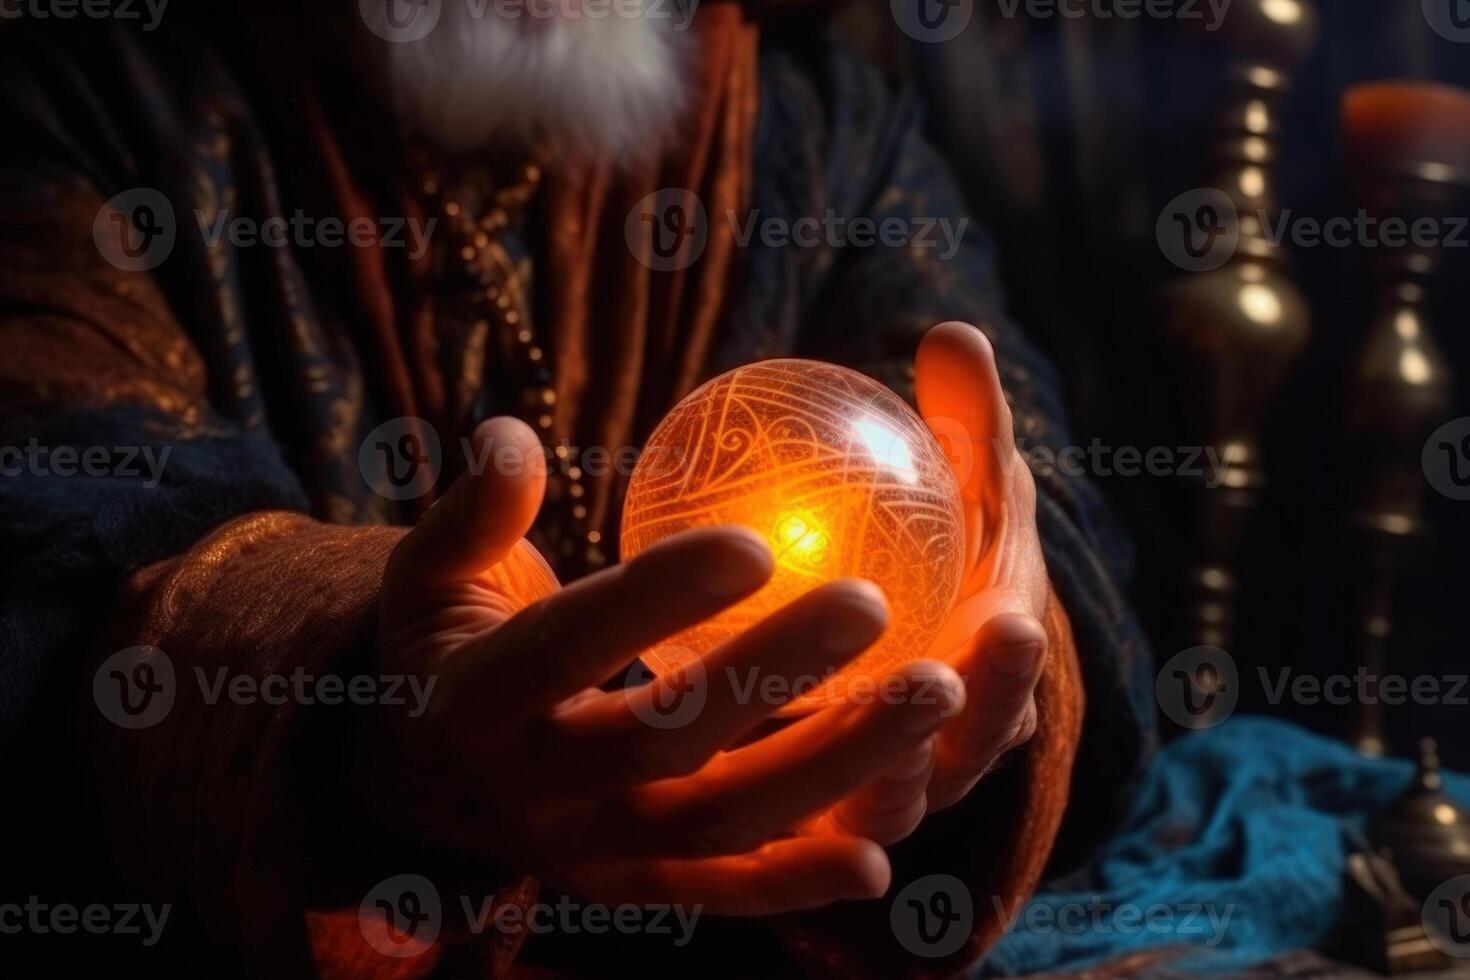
(112, 456)
(867, 303)
(155, 543)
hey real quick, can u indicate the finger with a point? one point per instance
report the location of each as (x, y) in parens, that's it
(580, 636)
(950, 784)
(888, 809)
(783, 876)
(747, 797)
(956, 377)
(483, 515)
(958, 638)
(959, 393)
(1000, 687)
(614, 737)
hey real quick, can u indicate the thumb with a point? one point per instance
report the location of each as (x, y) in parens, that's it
(482, 517)
(956, 382)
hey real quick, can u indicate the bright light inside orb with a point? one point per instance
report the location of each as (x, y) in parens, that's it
(839, 475)
(799, 544)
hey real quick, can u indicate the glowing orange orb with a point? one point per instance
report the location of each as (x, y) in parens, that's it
(841, 477)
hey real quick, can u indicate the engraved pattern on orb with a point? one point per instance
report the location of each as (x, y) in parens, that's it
(840, 476)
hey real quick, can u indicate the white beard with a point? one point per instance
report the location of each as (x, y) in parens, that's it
(607, 88)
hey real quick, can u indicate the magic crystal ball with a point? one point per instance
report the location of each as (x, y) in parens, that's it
(839, 475)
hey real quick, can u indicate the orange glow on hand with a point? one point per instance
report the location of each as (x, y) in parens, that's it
(840, 476)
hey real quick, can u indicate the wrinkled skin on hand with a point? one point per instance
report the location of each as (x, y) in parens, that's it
(994, 637)
(522, 757)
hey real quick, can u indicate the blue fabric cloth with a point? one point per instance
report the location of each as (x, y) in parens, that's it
(1235, 847)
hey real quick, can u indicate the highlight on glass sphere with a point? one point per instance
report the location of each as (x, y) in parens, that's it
(841, 477)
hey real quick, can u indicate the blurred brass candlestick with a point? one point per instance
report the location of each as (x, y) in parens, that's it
(1238, 327)
(1408, 157)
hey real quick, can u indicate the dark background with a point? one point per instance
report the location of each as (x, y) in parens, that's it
(1069, 137)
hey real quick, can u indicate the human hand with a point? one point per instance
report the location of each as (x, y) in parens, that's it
(522, 758)
(994, 637)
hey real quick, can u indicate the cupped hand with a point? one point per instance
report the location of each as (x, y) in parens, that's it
(521, 757)
(994, 637)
